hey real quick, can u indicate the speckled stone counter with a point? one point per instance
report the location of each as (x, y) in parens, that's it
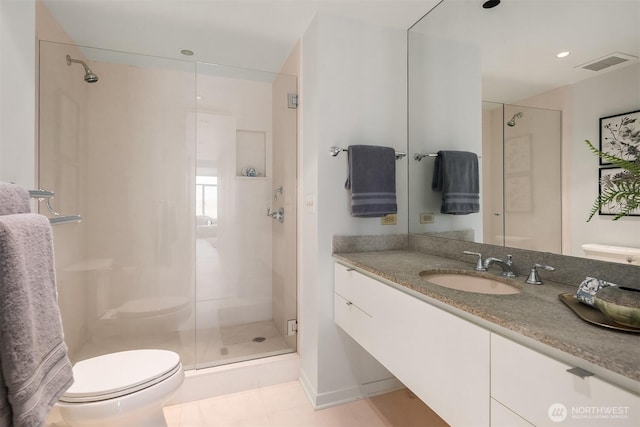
(536, 314)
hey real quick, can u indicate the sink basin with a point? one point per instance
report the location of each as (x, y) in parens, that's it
(472, 283)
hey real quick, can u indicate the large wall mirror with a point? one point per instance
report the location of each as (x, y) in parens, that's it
(488, 81)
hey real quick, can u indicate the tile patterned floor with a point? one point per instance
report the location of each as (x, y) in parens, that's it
(286, 405)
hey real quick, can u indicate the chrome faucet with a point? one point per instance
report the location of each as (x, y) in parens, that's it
(534, 278)
(479, 265)
(506, 266)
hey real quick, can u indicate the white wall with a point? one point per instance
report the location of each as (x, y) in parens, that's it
(612, 93)
(353, 91)
(17, 92)
(444, 114)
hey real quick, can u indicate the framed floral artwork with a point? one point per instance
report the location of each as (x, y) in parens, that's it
(620, 136)
(610, 180)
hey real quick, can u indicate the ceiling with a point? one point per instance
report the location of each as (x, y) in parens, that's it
(518, 39)
(258, 34)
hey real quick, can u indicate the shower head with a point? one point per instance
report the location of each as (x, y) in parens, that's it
(512, 122)
(89, 77)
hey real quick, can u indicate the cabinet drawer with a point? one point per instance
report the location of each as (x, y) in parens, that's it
(353, 321)
(357, 288)
(539, 389)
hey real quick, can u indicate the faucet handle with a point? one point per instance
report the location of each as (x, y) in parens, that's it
(533, 278)
(479, 263)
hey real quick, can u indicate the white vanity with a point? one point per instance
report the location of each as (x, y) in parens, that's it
(464, 363)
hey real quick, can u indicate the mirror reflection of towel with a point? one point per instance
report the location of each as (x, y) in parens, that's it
(455, 174)
(372, 180)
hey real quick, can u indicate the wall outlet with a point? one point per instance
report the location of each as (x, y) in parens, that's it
(427, 218)
(390, 219)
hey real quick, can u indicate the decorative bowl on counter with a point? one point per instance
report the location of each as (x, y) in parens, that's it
(620, 304)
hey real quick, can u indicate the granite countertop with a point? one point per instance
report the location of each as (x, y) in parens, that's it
(536, 313)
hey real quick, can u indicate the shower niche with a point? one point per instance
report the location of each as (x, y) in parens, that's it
(251, 153)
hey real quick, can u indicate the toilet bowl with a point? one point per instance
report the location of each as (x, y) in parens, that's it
(121, 389)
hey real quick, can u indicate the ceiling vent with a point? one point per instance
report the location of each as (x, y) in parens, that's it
(611, 60)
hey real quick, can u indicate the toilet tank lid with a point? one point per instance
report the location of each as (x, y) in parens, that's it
(610, 249)
(122, 371)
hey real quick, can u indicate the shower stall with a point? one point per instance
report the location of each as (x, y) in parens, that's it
(521, 151)
(176, 169)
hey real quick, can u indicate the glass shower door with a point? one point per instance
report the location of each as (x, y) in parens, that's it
(522, 177)
(245, 224)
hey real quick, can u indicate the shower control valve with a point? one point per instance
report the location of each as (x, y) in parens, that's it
(279, 214)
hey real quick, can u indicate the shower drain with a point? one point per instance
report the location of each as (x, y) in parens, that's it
(258, 339)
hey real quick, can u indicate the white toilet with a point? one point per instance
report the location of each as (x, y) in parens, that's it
(122, 389)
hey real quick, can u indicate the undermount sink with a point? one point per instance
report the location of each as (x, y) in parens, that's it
(472, 283)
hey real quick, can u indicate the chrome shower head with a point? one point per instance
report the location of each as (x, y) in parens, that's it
(89, 77)
(512, 122)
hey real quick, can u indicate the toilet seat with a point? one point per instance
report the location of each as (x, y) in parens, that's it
(114, 375)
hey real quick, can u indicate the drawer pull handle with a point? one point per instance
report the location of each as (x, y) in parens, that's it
(350, 269)
(582, 373)
(349, 303)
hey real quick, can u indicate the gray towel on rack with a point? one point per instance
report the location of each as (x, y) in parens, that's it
(456, 175)
(372, 180)
(35, 369)
(13, 199)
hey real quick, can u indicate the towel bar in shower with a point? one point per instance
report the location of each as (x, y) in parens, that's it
(58, 218)
(334, 151)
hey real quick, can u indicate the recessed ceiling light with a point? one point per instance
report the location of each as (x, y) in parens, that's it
(490, 4)
(186, 52)
(563, 54)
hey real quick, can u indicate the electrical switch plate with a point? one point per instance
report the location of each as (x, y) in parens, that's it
(390, 219)
(427, 218)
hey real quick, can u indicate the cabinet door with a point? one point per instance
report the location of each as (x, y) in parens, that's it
(503, 417)
(442, 358)
(540, 390)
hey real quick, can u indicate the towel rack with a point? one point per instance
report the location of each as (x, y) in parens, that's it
(58, 217)
(334, 151)
(417, 157)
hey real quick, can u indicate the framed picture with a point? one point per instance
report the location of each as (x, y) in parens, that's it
(607, 178)
(620, 136)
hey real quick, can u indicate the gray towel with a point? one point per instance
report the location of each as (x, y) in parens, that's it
(372, 180)
(34, 364)
(13, 199)
(456, 175)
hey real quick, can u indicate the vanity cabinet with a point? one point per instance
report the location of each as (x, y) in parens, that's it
(467, 374)
(501, 416)
(541, 390)
(440, 357)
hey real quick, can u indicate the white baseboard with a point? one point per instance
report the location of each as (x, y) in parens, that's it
(349, 394)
